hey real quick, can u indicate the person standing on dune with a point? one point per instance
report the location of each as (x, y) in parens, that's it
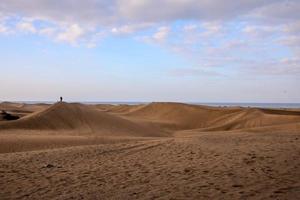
(61, 99)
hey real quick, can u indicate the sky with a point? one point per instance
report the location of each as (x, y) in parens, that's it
(150, 50)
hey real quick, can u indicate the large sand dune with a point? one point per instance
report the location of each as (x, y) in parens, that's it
(22, 109)
(76, 151)
(254, 118)
(144, 120)
(184, 116)
(79, 118)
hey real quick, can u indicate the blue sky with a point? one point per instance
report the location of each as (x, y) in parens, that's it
(180, 50)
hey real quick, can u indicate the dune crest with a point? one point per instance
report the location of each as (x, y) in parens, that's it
(181, 116)
(77, 117)
(113, 151)
(154, 119)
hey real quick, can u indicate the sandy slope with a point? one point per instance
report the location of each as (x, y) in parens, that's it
(151, 120)
(64, 124)
(208, 166)
(20, 109)
(179, 116)
(23, 107)
(79, 118)
(18, 141)
(75, 151)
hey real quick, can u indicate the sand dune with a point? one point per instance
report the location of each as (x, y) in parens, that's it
(180, 116)
(10, 106)
(153, 119)
(76, 151)
(183, 116)
(80, 118)
(124, 109)
(254, 118)
(21, 109)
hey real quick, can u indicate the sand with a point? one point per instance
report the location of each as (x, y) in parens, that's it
(153, 151)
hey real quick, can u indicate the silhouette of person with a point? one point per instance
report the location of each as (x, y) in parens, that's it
(61, 99)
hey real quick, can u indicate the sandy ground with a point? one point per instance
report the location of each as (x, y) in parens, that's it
(208, 166)
(18, 142)
(251, 163)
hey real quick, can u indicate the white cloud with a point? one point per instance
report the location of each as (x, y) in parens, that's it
(192, 71)
(169, 10)
(113, 12)
(190, 27)
(205, 39)
(126, 29)
(71, 34)
(293, 28)
(261, 31)
(48, 31)
(94, 40)
(285, 66)
(3, 29)
(161, 34)
(124, 17)
(132, 28)
(26, 27)
(293, 41)
(237, 44)
(88, 12)
(280, 11)
(211, 28)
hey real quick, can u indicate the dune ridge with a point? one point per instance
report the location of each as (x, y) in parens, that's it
(77, 117)
(152, 119)
(185, 116)
(75, 151)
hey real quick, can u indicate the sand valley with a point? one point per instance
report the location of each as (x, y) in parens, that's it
(149, 151)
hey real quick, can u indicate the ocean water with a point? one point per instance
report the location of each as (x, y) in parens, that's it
(254, 105)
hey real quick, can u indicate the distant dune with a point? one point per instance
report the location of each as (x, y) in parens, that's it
(178, 116)
(79, 118)
(39, 123)
(21, 109)
(148, 151)
(154, 119)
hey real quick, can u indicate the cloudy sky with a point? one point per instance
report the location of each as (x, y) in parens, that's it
(150, 50)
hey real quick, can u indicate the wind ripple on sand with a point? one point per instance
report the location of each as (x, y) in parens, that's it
(214, 166)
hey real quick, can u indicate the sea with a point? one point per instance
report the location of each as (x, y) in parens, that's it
(218, 104)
